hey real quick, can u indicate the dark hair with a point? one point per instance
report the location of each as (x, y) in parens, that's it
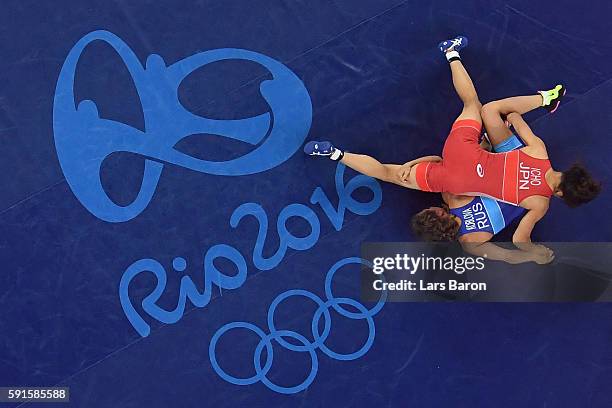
(578, 186)
(429, 226)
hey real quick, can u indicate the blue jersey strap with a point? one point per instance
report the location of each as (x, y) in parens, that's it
(494, 212)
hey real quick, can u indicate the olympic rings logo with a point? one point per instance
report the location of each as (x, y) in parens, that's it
(306, 346)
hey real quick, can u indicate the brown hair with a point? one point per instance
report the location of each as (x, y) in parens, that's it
(429, 226)
(578, 186)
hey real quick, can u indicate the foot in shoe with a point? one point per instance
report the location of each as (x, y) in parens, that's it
(551, 99)
(454, 44)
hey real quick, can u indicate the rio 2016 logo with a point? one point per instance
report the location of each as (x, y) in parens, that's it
(83, 139)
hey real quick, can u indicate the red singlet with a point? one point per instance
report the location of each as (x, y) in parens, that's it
(468, 169)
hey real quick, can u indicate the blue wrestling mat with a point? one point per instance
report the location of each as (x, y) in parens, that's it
(165, 243)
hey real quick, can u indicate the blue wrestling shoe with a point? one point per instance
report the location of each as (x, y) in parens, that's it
(454, 44)
(315, 148)
(323, 148)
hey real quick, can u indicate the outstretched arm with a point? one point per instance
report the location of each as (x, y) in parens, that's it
(522, 235)
(494, 252)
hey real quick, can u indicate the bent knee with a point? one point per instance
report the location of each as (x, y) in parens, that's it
(489, 109)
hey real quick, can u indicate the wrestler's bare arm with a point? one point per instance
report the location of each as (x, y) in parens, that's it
(406, 168)
(494, 252)
(522, 235)
(535, 146)
(406, 173)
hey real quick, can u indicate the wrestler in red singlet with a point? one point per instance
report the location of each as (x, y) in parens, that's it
(466, 168)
